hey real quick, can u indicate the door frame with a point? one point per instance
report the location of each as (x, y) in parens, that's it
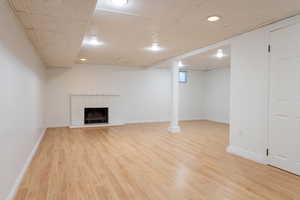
(274, 27)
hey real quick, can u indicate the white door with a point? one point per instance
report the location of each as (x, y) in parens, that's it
(284, 135)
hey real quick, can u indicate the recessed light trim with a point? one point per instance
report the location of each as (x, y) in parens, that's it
(180, 64)
(119, 2)
(92, 41)
(155, 48)
(213, 18)
(220, 53)
(83, 59)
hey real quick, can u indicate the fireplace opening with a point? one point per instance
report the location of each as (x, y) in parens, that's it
(95, 115)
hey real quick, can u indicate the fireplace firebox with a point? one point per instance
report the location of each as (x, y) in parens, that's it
(95, 115)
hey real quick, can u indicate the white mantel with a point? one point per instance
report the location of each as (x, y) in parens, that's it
(80, 101)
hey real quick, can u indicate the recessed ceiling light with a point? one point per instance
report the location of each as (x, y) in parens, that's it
(83, 59)
(92, 41)
(213, 18)
(119, 2)
(180, 64)
(220, 53)
(155, 47)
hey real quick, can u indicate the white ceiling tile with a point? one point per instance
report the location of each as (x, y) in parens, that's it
(55, 27)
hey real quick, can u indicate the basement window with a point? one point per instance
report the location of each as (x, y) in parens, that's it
(183, 77)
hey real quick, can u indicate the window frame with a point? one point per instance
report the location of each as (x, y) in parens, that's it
(186, 76)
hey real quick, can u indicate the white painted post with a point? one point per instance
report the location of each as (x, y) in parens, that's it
(174, 127)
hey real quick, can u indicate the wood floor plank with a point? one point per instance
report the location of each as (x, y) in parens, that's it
(145, 162)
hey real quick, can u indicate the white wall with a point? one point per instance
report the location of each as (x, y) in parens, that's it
(217, 95)
(249, 92)
(191, 96)
(249, 95)
(145, 94)
(21, 97)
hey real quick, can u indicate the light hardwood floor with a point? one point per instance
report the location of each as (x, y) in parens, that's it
(145, 162)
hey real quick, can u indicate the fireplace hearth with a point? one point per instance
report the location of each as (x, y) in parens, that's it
(96, 115)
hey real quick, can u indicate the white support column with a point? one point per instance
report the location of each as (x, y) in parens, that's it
(174, 127)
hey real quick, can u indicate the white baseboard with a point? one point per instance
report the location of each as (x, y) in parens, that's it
(146, 121)
(123, 123)
(218, 121)
(18, 181)
(246, 154)
(191, 119)
(161, 121)
(96, 125)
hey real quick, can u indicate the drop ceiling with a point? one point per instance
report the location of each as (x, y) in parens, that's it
(58, 27)
(55, 27)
